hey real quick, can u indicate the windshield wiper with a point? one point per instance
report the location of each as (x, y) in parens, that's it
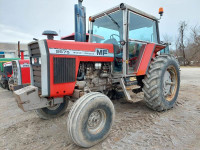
(113, 20)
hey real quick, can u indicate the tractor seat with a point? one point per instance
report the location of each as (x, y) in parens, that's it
(117, 57)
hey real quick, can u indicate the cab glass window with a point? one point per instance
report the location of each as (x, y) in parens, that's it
(142, 28)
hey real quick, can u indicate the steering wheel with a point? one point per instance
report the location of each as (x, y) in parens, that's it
(112, 36)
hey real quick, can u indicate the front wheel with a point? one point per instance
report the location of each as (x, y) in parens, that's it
(10, 82)
(162, 82)
(90, 119)
(52, 111)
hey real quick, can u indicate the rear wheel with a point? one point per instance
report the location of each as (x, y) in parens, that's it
(90, 119)
(161, 84)
(4, 85)
(1, 85)
(52, 111)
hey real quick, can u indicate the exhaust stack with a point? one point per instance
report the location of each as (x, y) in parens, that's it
(80, 22)
(22, 54)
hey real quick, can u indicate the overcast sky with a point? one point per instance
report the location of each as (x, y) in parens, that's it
(26, 19)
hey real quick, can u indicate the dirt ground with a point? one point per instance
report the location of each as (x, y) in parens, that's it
(135, 127)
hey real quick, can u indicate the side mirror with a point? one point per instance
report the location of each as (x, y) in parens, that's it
(161, 11)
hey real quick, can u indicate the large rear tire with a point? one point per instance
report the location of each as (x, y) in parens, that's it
(90, 119)
(53, 111)
(162, 82)
(5, 85)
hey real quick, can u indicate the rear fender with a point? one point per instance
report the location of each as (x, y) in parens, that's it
(149, 53)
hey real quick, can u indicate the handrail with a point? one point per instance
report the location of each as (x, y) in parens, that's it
(145, 42)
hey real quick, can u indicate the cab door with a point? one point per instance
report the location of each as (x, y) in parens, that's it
(141, 31)
(134, 56)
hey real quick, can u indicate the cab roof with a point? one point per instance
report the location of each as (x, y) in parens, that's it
(7, 64)
(124, 6)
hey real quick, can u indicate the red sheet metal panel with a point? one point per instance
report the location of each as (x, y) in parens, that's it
(25, 71)
(82, 52)
(146, 58)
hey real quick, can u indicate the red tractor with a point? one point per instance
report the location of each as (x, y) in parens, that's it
(16, 72)
(90, 73)
(21, 74)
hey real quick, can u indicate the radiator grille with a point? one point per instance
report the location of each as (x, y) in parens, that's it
(64, 70)
(35, 51)
(15, 73)
(36, 64)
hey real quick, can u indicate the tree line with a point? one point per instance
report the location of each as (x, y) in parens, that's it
(187, 46)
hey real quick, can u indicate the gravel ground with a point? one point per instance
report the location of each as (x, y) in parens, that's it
(136, 126)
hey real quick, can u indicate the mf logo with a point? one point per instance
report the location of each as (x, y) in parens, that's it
(101, 52)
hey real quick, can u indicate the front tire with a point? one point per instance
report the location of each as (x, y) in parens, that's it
(162, 82)
(52, 112)
(10, 82)
(90, 119)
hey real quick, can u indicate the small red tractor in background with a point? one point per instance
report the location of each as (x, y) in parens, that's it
(21, 74)
(16, 72)
(122, 55)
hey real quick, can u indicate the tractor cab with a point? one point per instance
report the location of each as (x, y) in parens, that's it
(129, 30)
(6, 74)
(7, 69)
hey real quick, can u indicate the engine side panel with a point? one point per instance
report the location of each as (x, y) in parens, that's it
(25, 71)
(80, 52)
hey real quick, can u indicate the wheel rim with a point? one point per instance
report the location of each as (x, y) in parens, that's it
(96, 121)
(170, 82)
(54, 107)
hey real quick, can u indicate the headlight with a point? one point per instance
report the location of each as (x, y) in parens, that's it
(36, 61)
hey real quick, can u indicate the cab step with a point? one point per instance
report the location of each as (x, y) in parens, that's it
(130, 90)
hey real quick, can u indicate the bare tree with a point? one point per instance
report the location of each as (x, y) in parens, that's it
(188, 49)
(167, 39)
(177, 46)
(182, 29)
(195, 34)
(194, 45)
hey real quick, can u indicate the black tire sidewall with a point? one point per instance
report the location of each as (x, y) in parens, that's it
(56, 111)
(4, 85)
(170, 62)
(91, 106)
(95, 137)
